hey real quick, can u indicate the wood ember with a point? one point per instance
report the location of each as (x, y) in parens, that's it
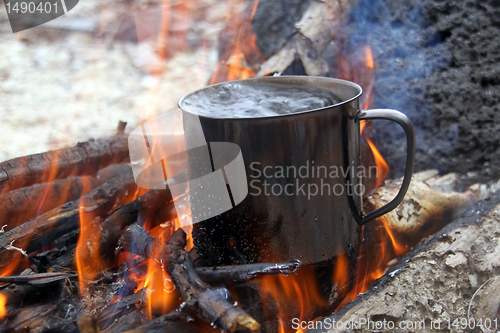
(444, 278)
(36, 233)
(86, 158)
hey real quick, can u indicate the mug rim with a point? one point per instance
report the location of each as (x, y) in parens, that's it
(300, 78)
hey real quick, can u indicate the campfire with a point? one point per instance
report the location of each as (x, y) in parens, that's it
(85, 248)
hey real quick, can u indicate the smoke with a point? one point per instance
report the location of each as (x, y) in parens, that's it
(405, 54)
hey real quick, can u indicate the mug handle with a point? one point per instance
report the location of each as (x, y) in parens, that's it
(407, 126)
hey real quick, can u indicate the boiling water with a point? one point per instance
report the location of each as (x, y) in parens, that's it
(262, 99)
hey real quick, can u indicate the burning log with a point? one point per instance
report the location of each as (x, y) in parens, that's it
(36, 233)
(428, 205)
(154, 205)
(22, 204)
(85, 158)
(446, 278)
(199, 298)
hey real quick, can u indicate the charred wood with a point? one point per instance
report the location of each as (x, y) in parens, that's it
(109, 317)
(132, 322)
(86, 158)
(199, 298)
(37, 279)
(153, 206)
(245, 273)
(127, 322)
(169, 323)
(20, 205)
(29, 318)
(138, 241)
(212, 304)
(36, 233)
(41, 308)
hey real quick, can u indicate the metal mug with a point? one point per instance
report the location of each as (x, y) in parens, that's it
(282, 227)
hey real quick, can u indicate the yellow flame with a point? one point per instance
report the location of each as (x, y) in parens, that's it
(382, 166)
(3, 305)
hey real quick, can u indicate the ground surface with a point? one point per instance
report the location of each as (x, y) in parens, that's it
(74, 78)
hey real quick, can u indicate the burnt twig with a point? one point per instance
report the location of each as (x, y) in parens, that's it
(245, 273)
(37, 279)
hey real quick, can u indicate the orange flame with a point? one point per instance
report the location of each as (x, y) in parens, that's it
(399, 249)
(341, 272)
(296, 296)
(374, 258)
(162, 296)
(87, 255)
(3, 305)
(238, 61)
(382, 166)
(361, 69)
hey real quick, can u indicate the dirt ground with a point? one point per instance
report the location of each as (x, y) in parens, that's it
(75, 77)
